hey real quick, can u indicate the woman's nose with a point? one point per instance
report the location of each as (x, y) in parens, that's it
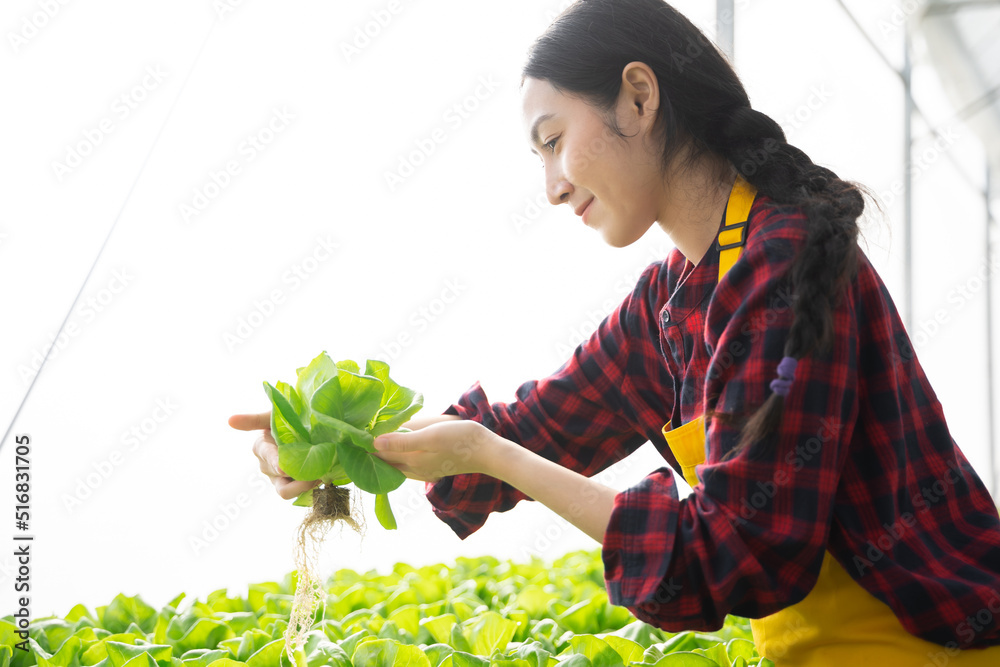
(557, 188)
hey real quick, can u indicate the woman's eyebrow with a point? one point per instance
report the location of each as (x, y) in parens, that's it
(534, 129)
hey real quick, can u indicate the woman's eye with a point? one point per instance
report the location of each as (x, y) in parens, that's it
(551, 145)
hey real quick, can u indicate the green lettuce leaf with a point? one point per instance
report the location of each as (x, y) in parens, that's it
(319, 371)
(369, 472)
(383, 511)
(286, 426)
(306, 462)
(398, 403)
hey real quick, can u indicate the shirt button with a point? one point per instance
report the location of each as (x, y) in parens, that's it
(665, 317)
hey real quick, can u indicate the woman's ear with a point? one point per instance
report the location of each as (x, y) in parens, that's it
(640, 90)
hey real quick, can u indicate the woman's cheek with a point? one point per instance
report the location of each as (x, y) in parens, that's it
(576, 164)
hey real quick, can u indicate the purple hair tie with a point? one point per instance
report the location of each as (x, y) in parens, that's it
(786, 374)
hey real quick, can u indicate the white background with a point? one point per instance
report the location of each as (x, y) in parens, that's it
(524, 295)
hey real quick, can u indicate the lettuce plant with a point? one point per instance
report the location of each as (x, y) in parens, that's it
(325, 427)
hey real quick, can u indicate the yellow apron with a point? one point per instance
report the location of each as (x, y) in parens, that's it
(839, 622)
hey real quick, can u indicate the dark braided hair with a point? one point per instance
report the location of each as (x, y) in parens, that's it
(705, 110)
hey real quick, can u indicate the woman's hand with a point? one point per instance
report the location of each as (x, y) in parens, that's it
(446, 448)
(266, 451)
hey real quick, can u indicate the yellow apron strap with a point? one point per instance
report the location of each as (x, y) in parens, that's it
(733, 234)
(687, 442)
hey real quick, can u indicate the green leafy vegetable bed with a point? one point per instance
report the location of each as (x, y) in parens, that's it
(481, 612)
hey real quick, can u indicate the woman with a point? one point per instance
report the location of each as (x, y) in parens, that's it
(764, 358)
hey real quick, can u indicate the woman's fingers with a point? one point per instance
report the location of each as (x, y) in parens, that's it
(266, 450)
(289, 488)
(251, 422)
(399, 442)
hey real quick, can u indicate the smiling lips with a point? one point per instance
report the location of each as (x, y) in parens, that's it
(583, 210)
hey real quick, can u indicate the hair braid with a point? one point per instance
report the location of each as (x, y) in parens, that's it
(825, 266)
(705, 109)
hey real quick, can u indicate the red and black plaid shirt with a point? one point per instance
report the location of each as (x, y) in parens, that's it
(863, 464)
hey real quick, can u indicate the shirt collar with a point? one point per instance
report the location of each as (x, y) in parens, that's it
(699, 282)
(688, 293)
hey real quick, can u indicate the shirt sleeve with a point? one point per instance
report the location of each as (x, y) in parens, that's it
(750, 539)
(579, 417)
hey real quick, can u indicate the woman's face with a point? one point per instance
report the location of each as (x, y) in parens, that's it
(583, 160)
